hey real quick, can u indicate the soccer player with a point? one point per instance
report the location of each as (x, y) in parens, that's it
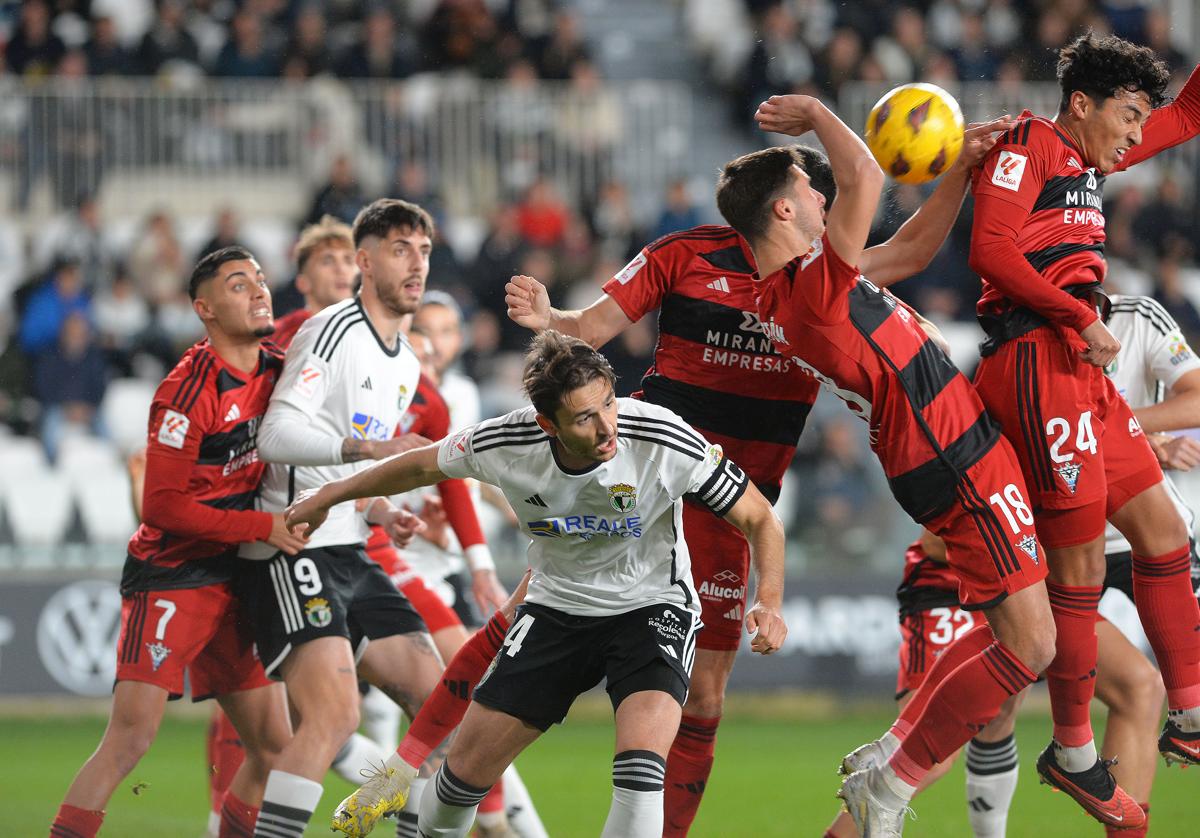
(325, 273)
(946, 462)
(1037, 242)
(441, 318)
(179, 612)
(348, 377)
(716, 368)
(599, 480)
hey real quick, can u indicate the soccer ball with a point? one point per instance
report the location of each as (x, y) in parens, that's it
(915, 132)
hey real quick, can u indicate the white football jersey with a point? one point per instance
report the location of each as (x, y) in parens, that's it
(608, 539)
(1154, 354)
(342, 376)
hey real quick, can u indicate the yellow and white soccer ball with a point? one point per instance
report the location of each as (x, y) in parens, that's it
(915, 132)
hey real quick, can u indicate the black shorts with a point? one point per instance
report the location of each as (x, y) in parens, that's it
(464, 599)
(331, 591)
(550, 657)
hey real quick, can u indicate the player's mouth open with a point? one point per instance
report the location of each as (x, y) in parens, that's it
(607, 447)
(261, 312)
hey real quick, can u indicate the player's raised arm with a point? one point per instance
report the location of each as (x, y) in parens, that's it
(529, 306)
(392, 476)
(756, 518)
(859, 178)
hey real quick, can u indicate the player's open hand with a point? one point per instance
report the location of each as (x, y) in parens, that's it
(979, 138)
(303, 517)
(1102, 347)
(766, 627)
(1181, 453)
(791, 114)
(283, 538)
(400, 525)
(488, 592)
(437, 522)
(528, 303)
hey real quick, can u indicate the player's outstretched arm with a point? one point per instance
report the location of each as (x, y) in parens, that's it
(756, 518)
(392, 476)
(859, 178)
(529, 306)
(918, 240)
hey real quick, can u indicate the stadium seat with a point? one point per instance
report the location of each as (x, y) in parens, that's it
(12, 262)
(271, 239)
(39, 508)
(104, 505)
(80, 455)
(21, 458)
(126, 411)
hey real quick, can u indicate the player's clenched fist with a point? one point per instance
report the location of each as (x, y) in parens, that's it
(307, 513)
(766, 627)
(528, 303)
(1102, 347)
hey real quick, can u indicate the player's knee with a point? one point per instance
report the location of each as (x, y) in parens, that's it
(1139, 696)
(127, 745)
(705, 700)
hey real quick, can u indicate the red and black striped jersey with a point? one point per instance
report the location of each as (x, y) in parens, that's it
(1039, 214)
(713, 364)
(202, 471)
(927, 583)
(927, 424)
(428, 415)
(287, 326)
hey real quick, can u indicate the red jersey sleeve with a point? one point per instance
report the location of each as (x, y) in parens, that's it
(823, 279)
(460, 512)
(1169, 125)
(640, 286)
(1005, 191)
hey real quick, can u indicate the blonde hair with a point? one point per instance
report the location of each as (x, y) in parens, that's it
(328, 230)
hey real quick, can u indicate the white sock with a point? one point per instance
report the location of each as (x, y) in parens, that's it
(214, 825)
(1187, 720)
(637, 801)
(518, 805)
(288, 802)
(491, 820)
(406, 821)
(358, 756)
(1075, 759)
(991, 782)
(889, 743)
(450, 810)
(381, 720)
(887, 785)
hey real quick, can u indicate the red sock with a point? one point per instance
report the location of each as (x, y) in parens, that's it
(688, 765)
(1071, 676)
(1141, 832)
(225, 755)
(961, 706)
(73, 822)
(952, 657)
(237, 818)
(1162, 589)
(493, 801)
(443, 710)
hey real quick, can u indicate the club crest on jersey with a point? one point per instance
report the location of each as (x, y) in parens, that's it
(318, 612)
(622, 497)
(158, 654)
(1069, 472)
(402, 401)
(1029, 545)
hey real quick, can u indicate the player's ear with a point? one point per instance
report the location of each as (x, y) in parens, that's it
(782, 209)
(362, 256)
(546, 425)
(203, 309)
(303, 284)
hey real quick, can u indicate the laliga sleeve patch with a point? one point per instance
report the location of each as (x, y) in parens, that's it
(715, 454)
(459, 446)
(173, 430)
(309, 379)
(631, 270)
(1010, 168)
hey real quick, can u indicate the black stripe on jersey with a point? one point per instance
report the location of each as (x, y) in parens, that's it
(218, 449)
(914, 599)
(240, 501)
(1039, 426)
(203, 380)
(675, 578)
(227, 382)
(929, 489)
(990, 529)
(194, 383)
(1031, 431)
(689, 318)
(132, 644)
(739, 417)
(1150, 310)
(484, 433)
(729, 259)
(665, 427)
(658, 440)
(1025, 133)
(1047, 256)
(332, 325)
(696, 233)
(1054, 192)
(927, 374)
(272, 350)
(501, 442)
(332, 344)
(869, 308)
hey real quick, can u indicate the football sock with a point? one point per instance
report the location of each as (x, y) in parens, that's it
(637, 803)
(406, 819)
(225, 755)
(522, 814)
(73, 822)
(444, 709)
(1071, 676)
(991, 782)
(1075, 758)
(688, 767)
(288, 803)
(1141, 832)
(1163, 593)
(962, 704)
(237, 818)
(357, 757)
(214, 825)
(889, 787)
(957, 653)
(493, 801)
(450, 810)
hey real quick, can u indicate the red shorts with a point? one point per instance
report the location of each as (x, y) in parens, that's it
(720, 568)
(164, 633)
(924, 636)
(1079, 445)
(432, 608)
(990, 539)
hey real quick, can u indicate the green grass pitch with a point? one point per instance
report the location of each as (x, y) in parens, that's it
(773, 777)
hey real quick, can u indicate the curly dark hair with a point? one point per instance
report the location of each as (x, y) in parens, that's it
(555, 365)
(1102, 67)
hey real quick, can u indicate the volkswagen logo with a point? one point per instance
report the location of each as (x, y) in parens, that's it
(77, 636)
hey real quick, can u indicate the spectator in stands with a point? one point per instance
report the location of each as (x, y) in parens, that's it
(246, 53)
(500, 254)
(521, 120)
(82, 241)
(411, 182)
(542, 215)
(105, 54)
(779, 62)
(308, 42)
(588, 125)
(565, 47)
(617, 235)
(69, 380)
(122, 317)
(381, 53)
(168, 47)
(226, 233)
(1168, 290)
(974, 58)
(1156, 27)
(840, 62)
(462, 34)
(679, 211)
(341, 196)
(157, 264)
(34, 51)
(1165, 224)
(59, 295)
